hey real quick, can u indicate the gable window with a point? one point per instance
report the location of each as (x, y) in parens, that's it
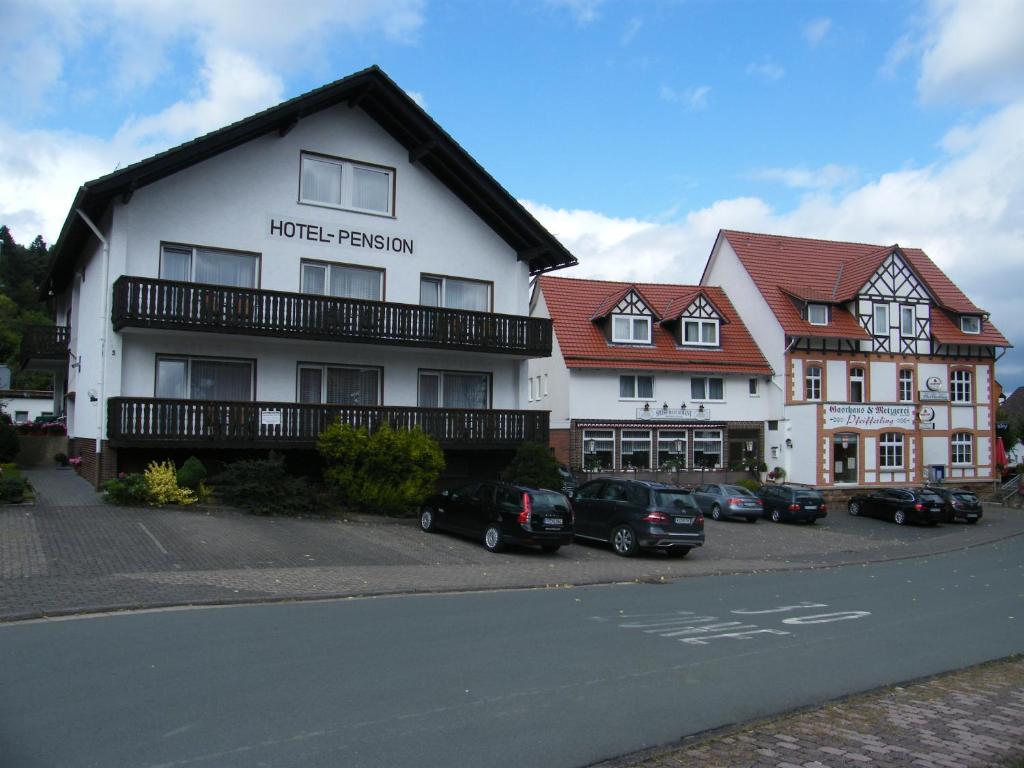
(340, 183)
(962, 444)
(636, 387)
(454, 389)
(856, 385)
(907, 316)
(198, 378)
(960, 387)
(906, 385)
(890, 450)
(817, 314)
(342, 280)
(702, 332)
(189, 264)
(339, 385)
(881, 319)
(812, 383)
(970, 324)
(455, 293)
(705, 388)
(631, 329)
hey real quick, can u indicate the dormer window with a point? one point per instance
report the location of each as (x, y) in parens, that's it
(630, 329)
(700, 332)
(970, 324)
(817, 314)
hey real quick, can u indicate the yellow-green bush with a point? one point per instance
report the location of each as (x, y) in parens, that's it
(162, 485)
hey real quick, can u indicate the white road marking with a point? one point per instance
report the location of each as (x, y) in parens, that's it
(825, 618)
(783, 609)
(151, 536)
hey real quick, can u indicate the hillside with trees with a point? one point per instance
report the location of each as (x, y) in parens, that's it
(22, 269)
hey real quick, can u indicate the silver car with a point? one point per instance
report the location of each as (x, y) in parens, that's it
(717, 501)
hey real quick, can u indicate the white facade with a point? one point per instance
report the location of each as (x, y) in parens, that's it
(26, 407)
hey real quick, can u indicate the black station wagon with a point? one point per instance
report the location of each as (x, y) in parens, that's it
(792, 502)
(901, 505)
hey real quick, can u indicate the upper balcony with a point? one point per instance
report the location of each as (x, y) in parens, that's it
(46, 344)
(145, 302)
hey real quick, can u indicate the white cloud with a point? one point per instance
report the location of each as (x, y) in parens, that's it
(826, 177)
(766, 69)
(815, 31)
(904, 47)
(584, 11)
(694, 98)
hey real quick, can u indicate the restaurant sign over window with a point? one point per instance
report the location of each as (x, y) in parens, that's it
(839, 415)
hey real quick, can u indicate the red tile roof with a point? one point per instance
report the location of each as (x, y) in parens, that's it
(612, 299)
(572, 303)
(831, 271)
(946, 330)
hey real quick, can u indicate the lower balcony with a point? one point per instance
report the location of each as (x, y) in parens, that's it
(44, 343)
(147, 422)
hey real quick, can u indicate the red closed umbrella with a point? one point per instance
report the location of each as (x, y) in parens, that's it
(1001, 461)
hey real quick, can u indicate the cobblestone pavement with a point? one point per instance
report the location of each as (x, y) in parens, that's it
(70, 553)
(960, 720)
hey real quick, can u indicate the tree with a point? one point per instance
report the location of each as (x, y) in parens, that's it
(535, 466)
(21, 274)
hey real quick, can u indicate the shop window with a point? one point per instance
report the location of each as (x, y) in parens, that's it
(707, 448)
(890, 450)
(672, 448)
(906, 385)
(960, 387)
(598, 449)
(701, 332)
(636, 387)
(706, 388)
(455, 293)
(635, 446)
(342, 280)
(339, 385)
(812, 382)
(341, 183)
(962, 444)
(856, 385)
(631, 329)
(454, 389)
(189, 264)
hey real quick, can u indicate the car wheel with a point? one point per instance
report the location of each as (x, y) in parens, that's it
(900, 518)
(776, 517)
(550, 547)
(716, 512)
(427, 520)
(678, 551)
(493, 539)
(624, 541)
(854, 508)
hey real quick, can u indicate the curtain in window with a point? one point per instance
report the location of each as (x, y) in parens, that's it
(627, 386)
(352, 386)
(220, 380)
(310, 385)
(355, 283)
(171, 380)
(321, 181)
(314, 279)
(698, 389)
(462, 294)
(644, 386)
(691, 331)
(371, 189)
(220, 268)
(465, 390)
(709, 333)
(175, 263)
(427, 397)
(430, 292)
(715, 389)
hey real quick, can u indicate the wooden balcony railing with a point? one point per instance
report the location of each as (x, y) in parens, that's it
(152, 422)
(44, 342)
(145, 302)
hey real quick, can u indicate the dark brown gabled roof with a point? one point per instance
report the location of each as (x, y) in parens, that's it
(383, 100)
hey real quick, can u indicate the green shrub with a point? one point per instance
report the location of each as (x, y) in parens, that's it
(162, 485)
(263, 487)
(8, 440)
(191, 474)
(12, 488)
(127, 490)
(750, 484)
(388, 471)
(534, 465)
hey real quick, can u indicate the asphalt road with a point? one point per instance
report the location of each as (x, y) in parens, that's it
(562, 677)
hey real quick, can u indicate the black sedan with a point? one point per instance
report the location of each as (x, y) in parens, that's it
(901, 505)
(959, 505)
(501, 514)
(633, 514)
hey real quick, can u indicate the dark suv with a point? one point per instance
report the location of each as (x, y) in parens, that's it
(500, 514)
(634, 514)
(792, 502)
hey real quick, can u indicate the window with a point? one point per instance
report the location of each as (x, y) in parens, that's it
(906, 385)
(545, 385)
(454, 389)
(342, 280)
(196, 378)
(631, 329)
(707, 448)
(970, 324)
(533, 388)
(702, 332)
(341, 183)
(907, 316)
(773, 426)
(672, 447)
(455, 293)
(703, 388)
(962, 444)
(636, 448)
(598, 449)
(881, 319)
(636, 387)
(752, 387)
(206, 265)
(960, 389)
(817, 314)
(813, 382)
(339, 385)
(21, 417)
(890, 450)
(856, 385)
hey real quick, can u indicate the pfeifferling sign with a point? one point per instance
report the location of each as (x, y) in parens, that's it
(864, 416)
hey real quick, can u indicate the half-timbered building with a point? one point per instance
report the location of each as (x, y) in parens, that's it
(885, 367)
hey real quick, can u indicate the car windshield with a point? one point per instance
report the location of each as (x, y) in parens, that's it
(736, 490)
(673, 498)
(548, 500)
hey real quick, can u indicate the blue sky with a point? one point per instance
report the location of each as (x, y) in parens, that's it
(634, 130)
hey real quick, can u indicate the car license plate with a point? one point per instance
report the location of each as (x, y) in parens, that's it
(556, 521)
(812, 507)
(684, 520)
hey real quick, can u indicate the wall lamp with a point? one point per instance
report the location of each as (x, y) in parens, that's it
(789, 442)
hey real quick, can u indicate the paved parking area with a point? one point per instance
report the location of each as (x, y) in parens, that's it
(70, 552)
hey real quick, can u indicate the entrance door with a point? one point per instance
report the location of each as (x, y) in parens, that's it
(844, 458)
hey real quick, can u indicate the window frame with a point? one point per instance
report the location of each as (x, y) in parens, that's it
(700, 323)
(442, 295)
(961, 443)
(346, 188)
(811, 307)
(900, 382)
(816, 380)
(884, 328)
(889, 450)
(606, 436)
(696, 436)
(328, 266)
(753, 387)
(904, 309)
(683, 436)
(961, 391)
(647, 320)
(862, 379)
(707, 389)
(976, 319)
(322, 367)
(192, 248)
(441, 373)
(636, 386)
(187, 359)
(633, 438)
